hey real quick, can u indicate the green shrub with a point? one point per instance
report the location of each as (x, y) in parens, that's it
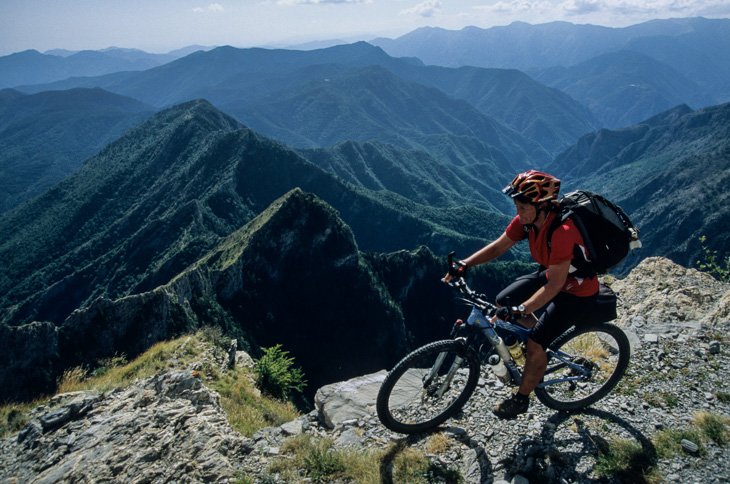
(719, 268)
(275, 375)
(322, 464)
(669, 442)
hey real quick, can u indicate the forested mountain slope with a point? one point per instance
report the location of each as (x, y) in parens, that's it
(45, 137)
(669, 173)
(157, 199)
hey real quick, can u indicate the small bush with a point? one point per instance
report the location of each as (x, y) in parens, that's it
(275, 375)
(312, 457)
(713, 427)
(724, 397)
(628, 461)
(669, 442)
(322, 464)
(214, 335)
(717, 267)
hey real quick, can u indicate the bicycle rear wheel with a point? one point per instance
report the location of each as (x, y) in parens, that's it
(600, 354)
(428, 386)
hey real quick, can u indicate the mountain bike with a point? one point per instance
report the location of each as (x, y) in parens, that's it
(434, 382)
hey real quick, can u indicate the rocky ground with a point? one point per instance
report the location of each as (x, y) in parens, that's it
(170, 428)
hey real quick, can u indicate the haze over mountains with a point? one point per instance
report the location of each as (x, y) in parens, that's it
(694, 50)
(33, 67)
(392, 153)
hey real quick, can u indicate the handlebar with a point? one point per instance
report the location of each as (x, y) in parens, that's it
(470, 296)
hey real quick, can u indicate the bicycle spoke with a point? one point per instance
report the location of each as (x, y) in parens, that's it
(594, 359)
(419, 394)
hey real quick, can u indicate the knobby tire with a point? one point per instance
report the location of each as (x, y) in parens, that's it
(604, 348)
(406, 406)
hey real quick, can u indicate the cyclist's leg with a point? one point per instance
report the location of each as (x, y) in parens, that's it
(520, 291)
(559, 316)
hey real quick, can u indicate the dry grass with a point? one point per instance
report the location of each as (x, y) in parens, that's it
(590, 346)
(246, 408)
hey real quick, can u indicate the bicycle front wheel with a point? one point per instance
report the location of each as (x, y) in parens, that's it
(596, 357)
(428, 386)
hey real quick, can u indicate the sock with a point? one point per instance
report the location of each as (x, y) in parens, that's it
(521, 397)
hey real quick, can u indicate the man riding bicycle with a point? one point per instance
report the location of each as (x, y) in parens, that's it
(549, 301)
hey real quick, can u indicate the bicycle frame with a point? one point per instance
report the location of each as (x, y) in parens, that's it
(482, 319)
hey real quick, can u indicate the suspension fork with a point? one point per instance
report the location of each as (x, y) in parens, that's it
(458, 360)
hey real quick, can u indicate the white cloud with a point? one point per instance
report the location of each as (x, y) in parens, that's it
(213, 7)
(428, 8)
(517, 7)
(582, 7)
(647, 8)
(600, 11)
(319, 2)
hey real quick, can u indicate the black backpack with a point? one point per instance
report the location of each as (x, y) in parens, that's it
(607, 232)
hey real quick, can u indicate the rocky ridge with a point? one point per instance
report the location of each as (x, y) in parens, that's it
(170, 427)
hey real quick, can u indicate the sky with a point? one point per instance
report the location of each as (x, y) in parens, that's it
(160, 26)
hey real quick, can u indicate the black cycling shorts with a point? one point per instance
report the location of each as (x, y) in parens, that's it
(556, 317)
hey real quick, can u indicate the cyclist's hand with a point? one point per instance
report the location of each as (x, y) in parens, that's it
(512, 314)
(456, 269)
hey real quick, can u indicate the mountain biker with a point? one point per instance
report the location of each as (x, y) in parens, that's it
(549, 301)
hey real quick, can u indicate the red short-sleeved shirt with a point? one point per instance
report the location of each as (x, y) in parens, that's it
(564, 239)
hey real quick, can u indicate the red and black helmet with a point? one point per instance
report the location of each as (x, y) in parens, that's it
(534, 186)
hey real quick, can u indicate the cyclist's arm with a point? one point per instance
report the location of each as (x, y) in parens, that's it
(491, 251)
(557, 273)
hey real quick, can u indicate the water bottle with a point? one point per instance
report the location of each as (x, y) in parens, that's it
(515, 349)
(634, 243)
(499, 369)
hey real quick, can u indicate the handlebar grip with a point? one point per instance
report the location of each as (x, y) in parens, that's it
(456, 269)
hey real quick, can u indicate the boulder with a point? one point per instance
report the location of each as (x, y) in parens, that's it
(348, 400)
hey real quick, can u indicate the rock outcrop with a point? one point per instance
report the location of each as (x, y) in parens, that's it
(661, 297)
(166, 428)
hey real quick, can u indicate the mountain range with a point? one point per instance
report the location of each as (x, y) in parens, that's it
(319, 98)
(157, 199)
(694, 50)
(669, 173)
(33, 67)
(267, 82)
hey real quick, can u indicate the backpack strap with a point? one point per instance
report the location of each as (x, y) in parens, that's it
(583, 267)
